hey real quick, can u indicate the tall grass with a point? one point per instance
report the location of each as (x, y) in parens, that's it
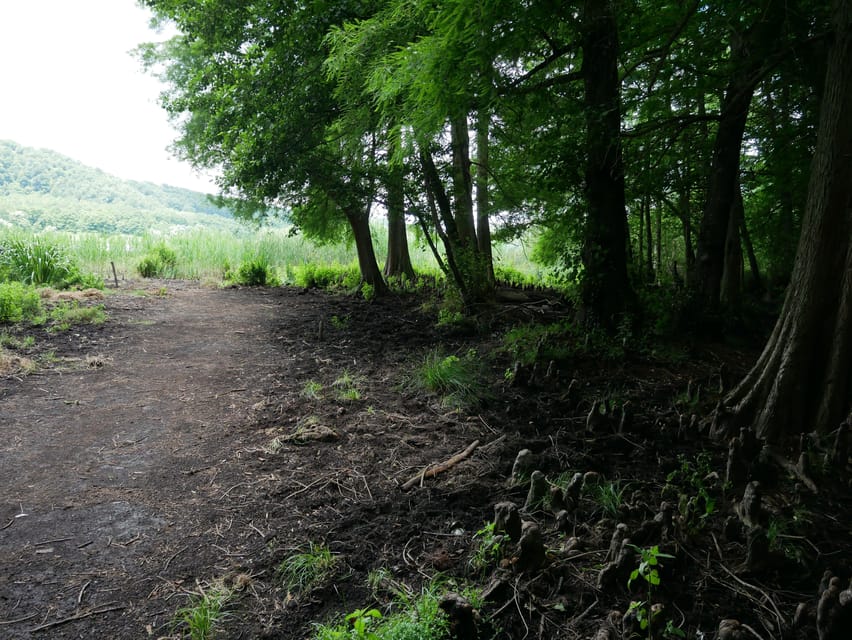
(206, 254)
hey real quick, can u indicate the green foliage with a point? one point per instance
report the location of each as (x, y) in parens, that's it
(302, 572)
(460, 380)
(648, 571)
(563, 340)
(326, 276)
(18, 302)
(254, 271)
(663, 309)
(609, 495)
(420, 618)
(339, 322)
(161, 262)
(508, 275)
(35, 260)
(450, 318)
(68, 314)
(689, 482)
(14, 342)
(488, 550)
(312, 390)
(346, 386)
(199, 618)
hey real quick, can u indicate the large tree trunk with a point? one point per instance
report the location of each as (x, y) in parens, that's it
(369, 267)
(732, 281)
(462, 183)
(724, 177)
(749, 53)
(605, 289)
(483, 208)
(803, 379)
(398, 262)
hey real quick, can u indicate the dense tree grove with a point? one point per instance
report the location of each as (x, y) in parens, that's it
(663, 143)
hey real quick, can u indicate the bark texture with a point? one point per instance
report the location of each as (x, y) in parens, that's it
(749, 52)
(369, 267)
(483, 204)
(606, 291)
(803, 379)
(399, 259)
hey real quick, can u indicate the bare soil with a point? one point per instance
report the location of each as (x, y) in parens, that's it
(173, 446)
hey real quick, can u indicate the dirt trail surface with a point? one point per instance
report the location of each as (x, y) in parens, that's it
(174, 445)
(120, 460)
(201, 436)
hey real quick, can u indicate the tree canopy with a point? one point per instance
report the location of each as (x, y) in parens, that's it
(639, 142)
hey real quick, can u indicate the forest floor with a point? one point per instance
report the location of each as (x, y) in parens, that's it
(202, 436)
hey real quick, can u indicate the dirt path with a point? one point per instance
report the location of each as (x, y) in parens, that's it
(119, 460)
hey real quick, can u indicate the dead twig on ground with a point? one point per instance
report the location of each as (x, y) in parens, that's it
(19, 620)
(434, 470)
(76, 616)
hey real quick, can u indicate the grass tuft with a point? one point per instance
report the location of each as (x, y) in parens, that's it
(302, 572)
(459, 380)
(205, 610)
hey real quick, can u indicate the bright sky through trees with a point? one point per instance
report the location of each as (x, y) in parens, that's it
(68, 83)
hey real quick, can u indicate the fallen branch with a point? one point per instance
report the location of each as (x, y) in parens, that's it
(77, 616)
(19, 620)
(431, 472)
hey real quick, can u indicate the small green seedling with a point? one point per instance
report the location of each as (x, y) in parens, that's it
(644, 609)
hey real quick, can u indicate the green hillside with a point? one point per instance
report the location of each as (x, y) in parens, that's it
(42, 189)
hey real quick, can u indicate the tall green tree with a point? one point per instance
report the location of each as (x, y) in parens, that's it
(246, 88)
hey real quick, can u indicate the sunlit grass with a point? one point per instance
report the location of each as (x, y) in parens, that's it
(206, 254)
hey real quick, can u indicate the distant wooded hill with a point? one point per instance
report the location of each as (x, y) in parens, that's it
(41, 189)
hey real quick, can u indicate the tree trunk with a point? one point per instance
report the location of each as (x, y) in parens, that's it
(462, 183)
(649, 265)
(398, 262)
(803, 379)
(369, 267)
(483, 208)
(686, 222)
(445, 224)
(757, 280)
(659, 217)
(640, 253)
(748, 59)
(605, 288)
(724, 177)
(733, 264)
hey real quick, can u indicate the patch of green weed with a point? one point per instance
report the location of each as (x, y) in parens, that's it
(205, 610)
(307, 569)
(460, 380)
(18, 302)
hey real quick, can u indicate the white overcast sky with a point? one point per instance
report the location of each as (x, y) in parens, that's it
(68, 83)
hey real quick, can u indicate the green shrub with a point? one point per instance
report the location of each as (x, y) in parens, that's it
(35, 261)
(255, 272)
(18, 302)
(160, 262)
(327, 276)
